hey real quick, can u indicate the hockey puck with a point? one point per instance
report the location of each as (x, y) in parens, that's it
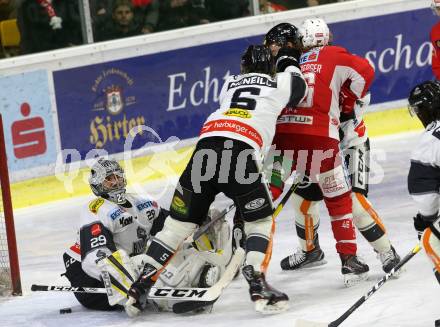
(65, 310)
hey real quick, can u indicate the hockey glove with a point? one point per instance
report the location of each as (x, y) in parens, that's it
(420, 224)
(287, 57)
(347, 99)
(138, 292)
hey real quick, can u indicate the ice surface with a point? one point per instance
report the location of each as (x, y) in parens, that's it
(318, 293)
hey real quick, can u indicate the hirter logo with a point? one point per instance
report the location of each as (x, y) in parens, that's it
(96, 230)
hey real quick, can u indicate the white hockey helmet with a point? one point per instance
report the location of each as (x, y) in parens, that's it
(107, 180)
(314, 33)
(435, 6)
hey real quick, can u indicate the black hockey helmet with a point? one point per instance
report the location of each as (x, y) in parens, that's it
(257, 59)
(107, 180)
(424, 101)
(281, 34)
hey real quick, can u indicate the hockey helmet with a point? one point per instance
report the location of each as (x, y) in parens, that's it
(281, 34)
(424, 101)
(257, 59)
(435, 6)
(107, 180)
(314, 33)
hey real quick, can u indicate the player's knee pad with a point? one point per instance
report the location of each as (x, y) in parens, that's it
(306, 220)
(369, 224)
(431, 243)
(257, 242)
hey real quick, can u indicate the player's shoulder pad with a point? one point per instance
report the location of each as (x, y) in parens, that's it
(95, 204)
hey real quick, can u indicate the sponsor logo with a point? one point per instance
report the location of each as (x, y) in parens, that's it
(95, 205)
(309, 57)
(234, 127)
(96, 229)
(183, 293)
(124, 221)
(179, 205)
(146, 204)
(255, 204)
(116, 213)
(235, 112)
(296, 119)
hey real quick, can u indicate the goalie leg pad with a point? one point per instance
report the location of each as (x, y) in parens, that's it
(117, 273)
(369, 224)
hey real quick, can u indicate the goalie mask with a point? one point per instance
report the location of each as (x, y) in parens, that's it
(107, 180)
(314, 33)
(424, 101)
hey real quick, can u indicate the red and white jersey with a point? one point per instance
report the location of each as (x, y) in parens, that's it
(435, 40)
(250, 105)
(325, 69)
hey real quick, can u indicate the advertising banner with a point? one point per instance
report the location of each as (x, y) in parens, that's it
(173, 92)
(26, 110)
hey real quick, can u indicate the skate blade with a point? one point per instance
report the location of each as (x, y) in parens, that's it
(263, 307)
(352, 279)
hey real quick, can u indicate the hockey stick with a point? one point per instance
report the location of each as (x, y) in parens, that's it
(337, 322)
(193, 294)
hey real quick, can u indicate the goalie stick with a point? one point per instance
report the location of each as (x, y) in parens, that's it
(337, 322)
(193, 294)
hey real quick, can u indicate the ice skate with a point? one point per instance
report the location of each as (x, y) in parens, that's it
(389, 260)
(267, 299)
(353, 269)
(303, 259)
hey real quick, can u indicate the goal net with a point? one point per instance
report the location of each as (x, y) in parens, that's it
(9, 268)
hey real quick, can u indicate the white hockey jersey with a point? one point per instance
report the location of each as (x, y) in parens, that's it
(106, 227)
(250, 105)
(424, 173)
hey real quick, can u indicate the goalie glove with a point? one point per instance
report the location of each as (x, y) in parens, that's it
(138, 292)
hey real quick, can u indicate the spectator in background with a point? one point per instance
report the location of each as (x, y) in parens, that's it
(227, 9)
(100, 11)
(122, 23)
(147, 14)
(8, 9)
(435, 40)
(267, 7)
(48, 25)
(181, 13)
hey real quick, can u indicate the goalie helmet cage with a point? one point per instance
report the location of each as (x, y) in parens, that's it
(9, 267)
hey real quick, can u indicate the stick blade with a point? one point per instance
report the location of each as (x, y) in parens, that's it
(308, 323)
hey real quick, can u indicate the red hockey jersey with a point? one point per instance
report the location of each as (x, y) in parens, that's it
(435, 40)
(325, 69)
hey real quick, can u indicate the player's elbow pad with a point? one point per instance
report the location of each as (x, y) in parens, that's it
(299, 89)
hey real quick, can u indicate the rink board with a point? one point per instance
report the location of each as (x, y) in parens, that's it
(170, 83)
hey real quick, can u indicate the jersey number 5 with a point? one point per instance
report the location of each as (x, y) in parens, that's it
(308, 100)
(241, 102)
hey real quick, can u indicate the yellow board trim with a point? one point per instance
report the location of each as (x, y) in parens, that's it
(164, 165)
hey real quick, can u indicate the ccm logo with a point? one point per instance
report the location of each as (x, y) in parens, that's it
(255, 204)
(169, 292)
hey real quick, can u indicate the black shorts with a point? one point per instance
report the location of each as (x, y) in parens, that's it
(217, 165)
